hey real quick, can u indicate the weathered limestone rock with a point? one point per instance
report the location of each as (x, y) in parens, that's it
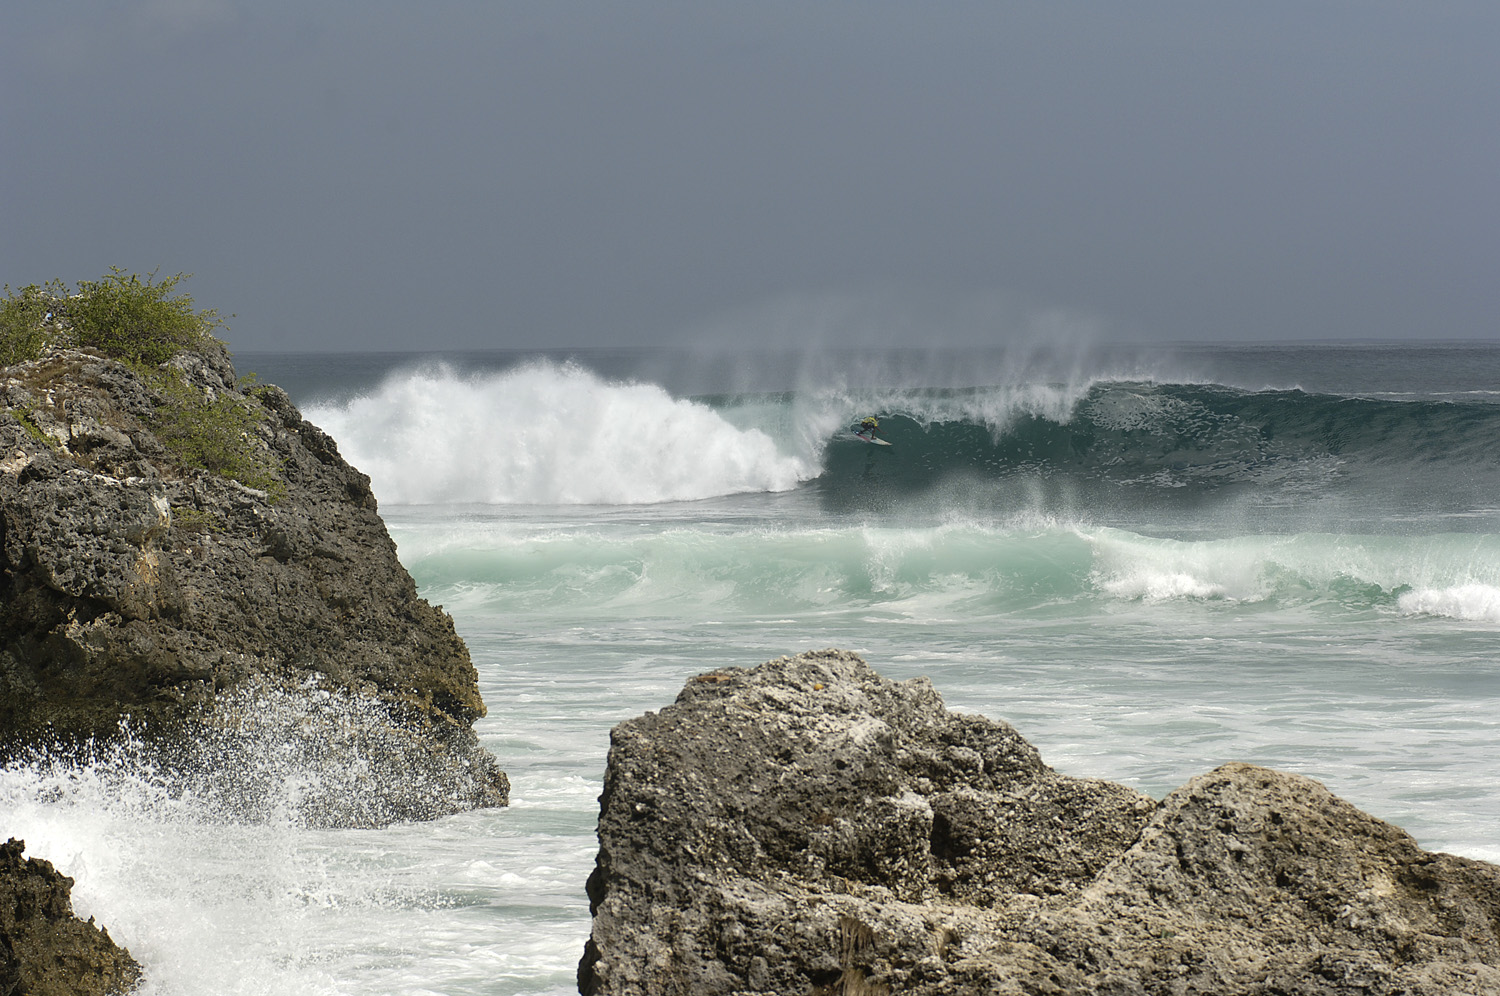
(234, 627)
(44, 949)
(811, 827)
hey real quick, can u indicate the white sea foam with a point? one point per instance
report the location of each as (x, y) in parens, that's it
(549, 434)
(1137, 567)
(1157, 585)
(1466, 602)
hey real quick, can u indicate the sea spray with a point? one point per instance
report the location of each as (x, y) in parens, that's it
(214, 854)
(267, 908)
(309, 755)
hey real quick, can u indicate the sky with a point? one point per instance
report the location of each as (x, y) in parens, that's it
(459, 174)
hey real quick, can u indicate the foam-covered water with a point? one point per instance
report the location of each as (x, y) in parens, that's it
(1150, 564)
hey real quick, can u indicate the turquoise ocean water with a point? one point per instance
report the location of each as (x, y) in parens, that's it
(1150, 561)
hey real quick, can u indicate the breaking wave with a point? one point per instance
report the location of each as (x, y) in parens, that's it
(550, 433)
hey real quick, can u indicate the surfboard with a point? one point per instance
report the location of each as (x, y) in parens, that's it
(872, 439)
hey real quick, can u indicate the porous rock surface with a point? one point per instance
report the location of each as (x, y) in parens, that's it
(44, 949)
(236, 628)
(810, 827)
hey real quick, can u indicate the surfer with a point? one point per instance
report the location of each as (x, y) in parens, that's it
(869, 427)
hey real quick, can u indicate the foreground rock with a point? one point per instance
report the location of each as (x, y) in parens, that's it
(44, 949)
(252, 636)
(811, 827)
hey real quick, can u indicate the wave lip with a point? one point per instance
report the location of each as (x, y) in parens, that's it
(548, 434)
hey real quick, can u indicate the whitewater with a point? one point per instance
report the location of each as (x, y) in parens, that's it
(1150, 561)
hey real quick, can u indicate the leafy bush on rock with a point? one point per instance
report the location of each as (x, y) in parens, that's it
(144, 322)
(120, 315)
(212, 433)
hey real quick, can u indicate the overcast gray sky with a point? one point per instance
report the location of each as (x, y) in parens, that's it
(348, 175)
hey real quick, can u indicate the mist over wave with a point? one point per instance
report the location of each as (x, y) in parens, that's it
(546, 433)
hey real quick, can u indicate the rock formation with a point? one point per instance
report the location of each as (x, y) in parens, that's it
(810, 827)
(44, 949)
(198, 561)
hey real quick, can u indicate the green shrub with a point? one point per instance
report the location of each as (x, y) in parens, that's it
(26, 415)
(216, 435)
(196, 520)
(24, 325)
(142, 322)
(120, 315)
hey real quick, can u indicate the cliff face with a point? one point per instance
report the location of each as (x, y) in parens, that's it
(44, 949)
(811, 827)
(231, 625)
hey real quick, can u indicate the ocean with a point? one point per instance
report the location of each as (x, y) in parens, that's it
(1150, 560)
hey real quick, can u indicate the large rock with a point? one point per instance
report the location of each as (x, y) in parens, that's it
(811, 827)
(249, 635)
(44, 949)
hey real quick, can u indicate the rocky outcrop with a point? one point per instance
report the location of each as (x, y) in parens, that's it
(44, 949)
(810, 827)
(198, 561)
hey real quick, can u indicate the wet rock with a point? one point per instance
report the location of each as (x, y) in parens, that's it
(811, 827)
(44, 949)
(138, 585)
